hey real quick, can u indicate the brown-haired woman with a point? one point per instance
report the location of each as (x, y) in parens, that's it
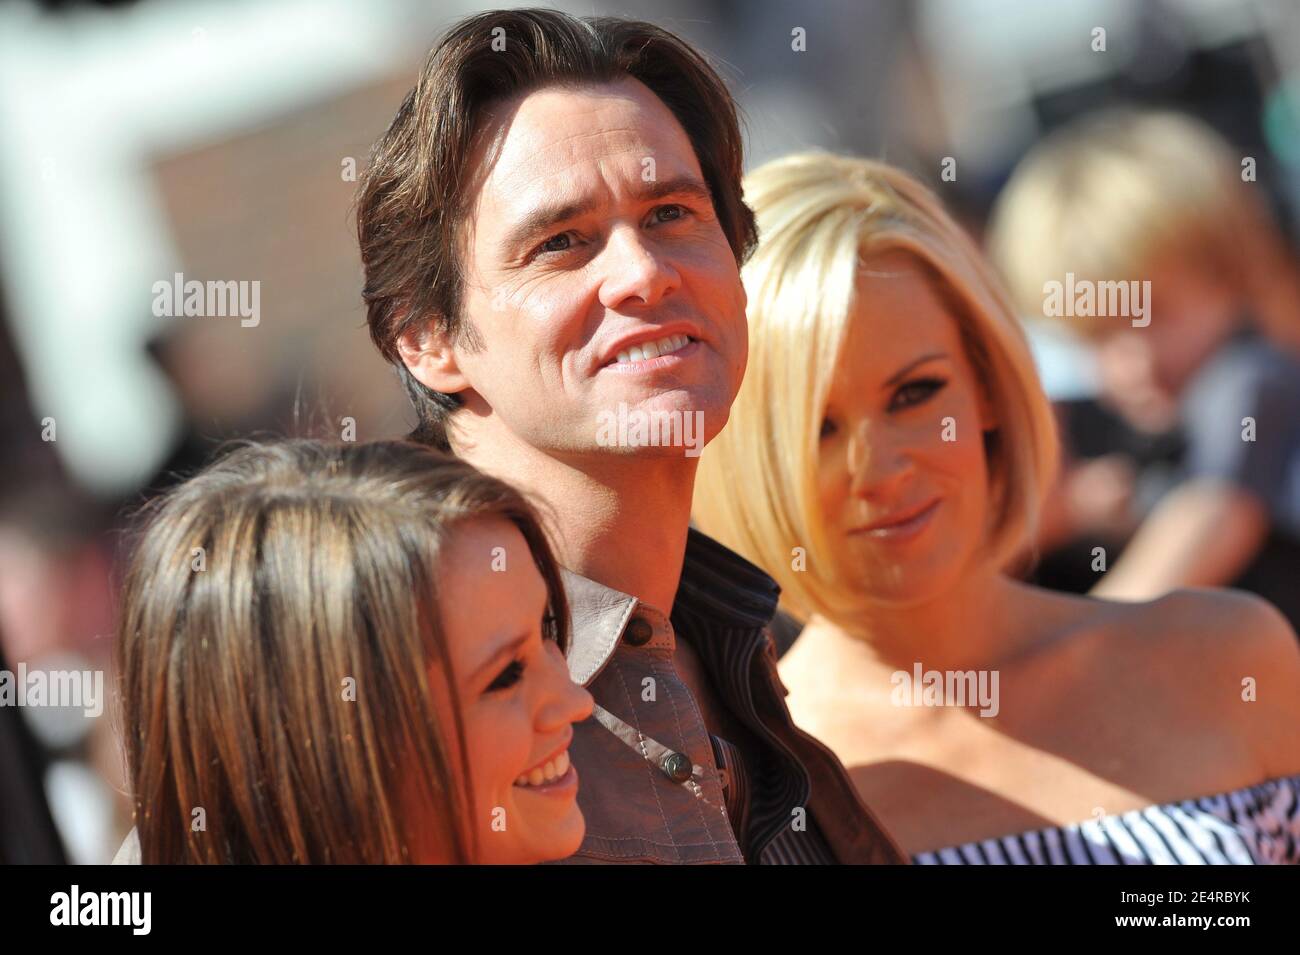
(339, 653)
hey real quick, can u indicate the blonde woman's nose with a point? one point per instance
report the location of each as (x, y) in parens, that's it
(875, 462)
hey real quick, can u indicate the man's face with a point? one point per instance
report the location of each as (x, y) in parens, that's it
(591, 248)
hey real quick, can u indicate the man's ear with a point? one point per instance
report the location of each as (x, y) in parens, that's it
(429, 353)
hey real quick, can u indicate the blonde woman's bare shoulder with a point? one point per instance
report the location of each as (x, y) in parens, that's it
(1228, 655)
(1186, 613)
(1219, 620)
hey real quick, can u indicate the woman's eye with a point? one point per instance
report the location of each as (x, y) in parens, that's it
(828, 428)
(508, 677)
(915, 392)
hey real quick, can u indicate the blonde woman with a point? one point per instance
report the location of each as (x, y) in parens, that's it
(342, 653)
(896, 445)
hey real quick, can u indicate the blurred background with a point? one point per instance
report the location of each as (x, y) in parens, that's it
(223, 141)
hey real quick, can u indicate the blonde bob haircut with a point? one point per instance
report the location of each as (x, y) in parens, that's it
(820, 216)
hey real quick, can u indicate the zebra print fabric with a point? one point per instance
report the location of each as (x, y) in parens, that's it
(1257, 825)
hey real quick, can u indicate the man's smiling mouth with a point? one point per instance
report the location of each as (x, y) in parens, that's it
(649, 350)
(650, 347)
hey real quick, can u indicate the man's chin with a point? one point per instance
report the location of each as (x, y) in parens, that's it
(662, 425)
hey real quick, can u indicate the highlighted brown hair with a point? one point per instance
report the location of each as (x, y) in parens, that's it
(256, 590)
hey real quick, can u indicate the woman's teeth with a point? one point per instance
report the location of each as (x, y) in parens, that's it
(548, 772)
(664, 346)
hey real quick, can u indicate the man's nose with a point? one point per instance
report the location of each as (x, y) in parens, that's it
(635, 272)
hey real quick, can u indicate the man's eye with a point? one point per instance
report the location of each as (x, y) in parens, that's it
(915, 392)
(550, 244)
(679, 213)
(508, 677)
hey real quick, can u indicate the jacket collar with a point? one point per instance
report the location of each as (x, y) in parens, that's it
(716, 583)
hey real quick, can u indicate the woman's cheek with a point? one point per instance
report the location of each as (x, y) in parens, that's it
(490, 762)
(961, 438)
(833, 488)
(477, 757)
(959, 471)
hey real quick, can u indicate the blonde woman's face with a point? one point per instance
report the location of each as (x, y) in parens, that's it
(519, 703)
(902, 472)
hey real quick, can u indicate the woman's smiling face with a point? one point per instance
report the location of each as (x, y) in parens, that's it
(902, 470)
(518, 701)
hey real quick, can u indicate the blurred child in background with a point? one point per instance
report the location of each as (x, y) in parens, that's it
(1190, 459)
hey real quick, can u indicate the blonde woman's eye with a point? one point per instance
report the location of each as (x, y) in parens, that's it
(829, 427)
(915, 392)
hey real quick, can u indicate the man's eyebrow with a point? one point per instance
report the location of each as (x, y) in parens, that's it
(536, 222)
(902, 372)
(687, 186)
(509, 649)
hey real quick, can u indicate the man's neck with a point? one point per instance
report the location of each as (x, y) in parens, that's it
(618, 519)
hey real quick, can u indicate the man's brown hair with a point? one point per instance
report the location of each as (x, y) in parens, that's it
(414, 195)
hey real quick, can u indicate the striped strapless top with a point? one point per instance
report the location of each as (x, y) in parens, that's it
(1257, 825)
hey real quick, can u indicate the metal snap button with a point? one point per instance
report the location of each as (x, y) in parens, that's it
(677, 767)
(638, 632)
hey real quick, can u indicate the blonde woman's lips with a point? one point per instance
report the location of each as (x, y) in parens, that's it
(903, 526)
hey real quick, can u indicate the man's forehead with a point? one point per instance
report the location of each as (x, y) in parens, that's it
(573, 140)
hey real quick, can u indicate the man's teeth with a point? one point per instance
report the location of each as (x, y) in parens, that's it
(549, 772)
(644, 352)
